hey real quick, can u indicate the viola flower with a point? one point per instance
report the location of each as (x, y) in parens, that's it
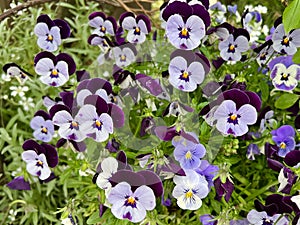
(231, 120)
(69, 128)
(260, 218)
(264, 53)
(19, 184)
(36, 164)
(252, 150)
(131, 205)
(54, 70)
(284, 137)
(124, 55)
(208, 171)
(93, 125)
(232, 48)
(109, 166)
(189, 190)
(223, 189)
(50, 32)
(187, 70)
(103, 25)
(43, 128)
(286, 43)
(188, 153)
(138, 27)
(285, 78)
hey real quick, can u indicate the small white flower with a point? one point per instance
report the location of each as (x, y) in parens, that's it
(5, 77)
(27, 103)
(18, 90)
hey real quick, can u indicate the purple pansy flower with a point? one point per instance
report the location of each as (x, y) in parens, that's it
(207, 219)
(124, 55)
(284, 139)
(50, 32)
(232, 48)
(43, 126)
(186, 24)
(103, 25)
(231, 120)
(208, 171)
(188, 153)
(19, 184)
(187, 70)
(252, 150)
(286, 43)
(69, 128)
(223, 189)
(189, 190)
(130, 205)
(54, 70)
(36, 164)
(261, 218)
(93, 125)
(138, 27)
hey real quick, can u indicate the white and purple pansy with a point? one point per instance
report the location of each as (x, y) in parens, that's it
(39, 158)
(232, 48)
(233, 120)
(284, 73)
(265, 51)
(43, 126)
(124, 55)
(187, 69)
(54, 70)
(257, 218)
(190, 189)
(131, 205)
(286, 43)
(186, 24)
(103, 25)
(284, 137)
(50, 32)
(138, 26)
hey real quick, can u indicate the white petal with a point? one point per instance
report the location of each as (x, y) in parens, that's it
(44, 67)
(29, 156)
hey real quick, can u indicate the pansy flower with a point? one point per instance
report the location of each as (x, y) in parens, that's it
(176, 108)
(124, 55)
(259, 218)
(284, 137)
(109, 166)
(138, 26)
(286, 43)
(131, 205)
(186, 24)
(39, 158)
(285, 78)
(189, 190)
(223, 189)
(43, 126)
(187, 69)
(103, 25)
(54, 70)
(265, 51)
(232, 48)
(231, 120)
(19, 183)
(187, 152)
(50, 32)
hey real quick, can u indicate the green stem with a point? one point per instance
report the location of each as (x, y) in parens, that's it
(262, 190)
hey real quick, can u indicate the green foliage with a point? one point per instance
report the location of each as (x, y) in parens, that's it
(290, 16)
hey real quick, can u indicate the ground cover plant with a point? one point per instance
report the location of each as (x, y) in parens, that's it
(184, 112)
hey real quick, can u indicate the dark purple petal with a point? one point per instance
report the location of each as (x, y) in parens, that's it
(240, 31)
(292, 158)
(153, 181)
(152, 85)
(65, 30)
(44, 55)
(122, 160)
(112, 145)
(146, 20)
(19, 184)
(124, 15)
(98, 102)
(69, 60)
(96, 14)
(102, 209)
(82, 75)
(43, 114)
(147, 125)
(239, 97)
(79, 146)
(67, 98)
(200, 11)
(254, 100)
(181, 8)
(51, 155)
(33, 145)
(274, 165)
(45, 19)
(218, 62)
(133, 179)
(97, 83)
(223, 189)
(82, 85)
(54, 109)
(117, 115)
(61, 142)
(166, 133)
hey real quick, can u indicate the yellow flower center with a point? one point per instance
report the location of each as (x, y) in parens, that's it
(286, 40)
(189, 194)
(103, 29)
(39, 163)
(185, 75)
(233, 117)
(74, 124)
(44, 130)
(282, 145)
(284, 75)
(231, 47)
(50, 37)
(188, 155)
(131, 200)
(137, 30)
(98, 123)
(184, 32)
(54, 72)
(123, 57)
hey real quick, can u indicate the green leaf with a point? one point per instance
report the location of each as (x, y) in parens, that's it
(286, 100)
(291, 19)
(94, 218)
(264, 87)
(296, 57)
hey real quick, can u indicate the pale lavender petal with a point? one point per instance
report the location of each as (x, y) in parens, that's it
(146, 197)
(109, 27)
(44, 67)
(295, 37)
(29, 156)
(107, 122)
(248, 114)
(242, 43)
(36, 122)
(41, 29)
(96, 22)
(142, 25)
(55, 32)
(227, 106)
(62, 117)
(129, 23)
(62, 68)
(86, 113)
(81, 95)
(134, 38)
(197, 72)
(176, 65)
(118, 193)
(278, 33)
